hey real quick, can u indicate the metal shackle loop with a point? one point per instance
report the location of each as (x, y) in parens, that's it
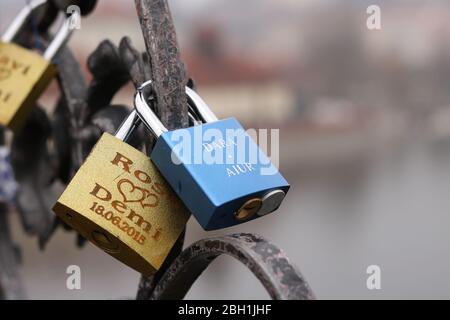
(60, 38)
(127, 127)
(20, 20)
(146, 114)
(198, 109)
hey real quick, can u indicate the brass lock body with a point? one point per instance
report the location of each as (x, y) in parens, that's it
(24, 75)
(119, 201)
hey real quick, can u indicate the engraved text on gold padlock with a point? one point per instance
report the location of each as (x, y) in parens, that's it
(24, 75)
(120, 202)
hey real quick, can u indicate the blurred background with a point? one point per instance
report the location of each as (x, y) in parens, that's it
(364, 119)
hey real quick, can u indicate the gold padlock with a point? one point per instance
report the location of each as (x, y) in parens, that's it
(24, 74)
(120, 202)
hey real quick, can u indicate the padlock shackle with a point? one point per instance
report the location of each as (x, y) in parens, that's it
(60, 39)
(200, 106)
(128, 126)
(20, 19)
(131, 123)
(146, 114)
(196, 103)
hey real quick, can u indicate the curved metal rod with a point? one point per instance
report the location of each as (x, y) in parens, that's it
(265, 260)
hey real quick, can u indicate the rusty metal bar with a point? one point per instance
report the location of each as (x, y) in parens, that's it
(169, 78)
(168, 73)
(265, 260)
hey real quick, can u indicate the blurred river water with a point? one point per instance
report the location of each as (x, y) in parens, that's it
(389, 209)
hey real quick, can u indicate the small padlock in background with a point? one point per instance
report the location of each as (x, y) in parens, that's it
(219, 195)
(119, 201)
(24, 74)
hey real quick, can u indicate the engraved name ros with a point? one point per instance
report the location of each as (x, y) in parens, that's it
(134, 224)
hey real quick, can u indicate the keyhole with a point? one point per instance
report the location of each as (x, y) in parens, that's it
(248, 209)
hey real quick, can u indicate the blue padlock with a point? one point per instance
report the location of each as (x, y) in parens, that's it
(216, 168)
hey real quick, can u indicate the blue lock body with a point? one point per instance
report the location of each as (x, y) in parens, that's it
(215, 192)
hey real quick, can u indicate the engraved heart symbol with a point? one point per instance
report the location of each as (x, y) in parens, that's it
(4, 73)
(132, 193)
